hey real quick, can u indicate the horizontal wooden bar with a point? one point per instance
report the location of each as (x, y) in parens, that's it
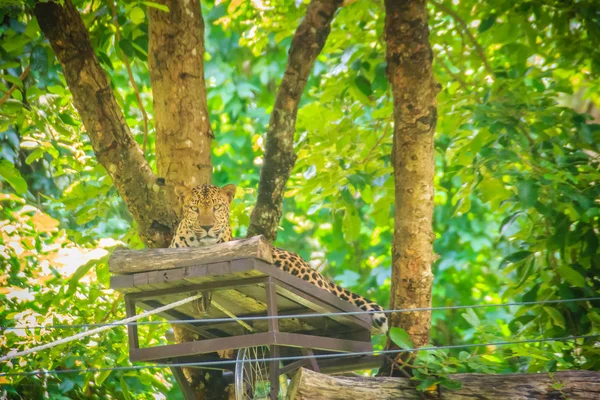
(212, 285)
(321, 342)
(201, 346)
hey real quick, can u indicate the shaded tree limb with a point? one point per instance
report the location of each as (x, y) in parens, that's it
(138, 97)
(113, 144)
(409, 70)
(309, 385)
(466, 29)
(279, 158)
(14, 86)
(176, 66)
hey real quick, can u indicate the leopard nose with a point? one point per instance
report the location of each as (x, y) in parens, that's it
(206, 227)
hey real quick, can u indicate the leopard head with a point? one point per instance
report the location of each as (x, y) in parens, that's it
(205, 215)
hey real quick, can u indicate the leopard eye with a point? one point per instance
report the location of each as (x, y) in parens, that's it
(194, 209)
(216, 207)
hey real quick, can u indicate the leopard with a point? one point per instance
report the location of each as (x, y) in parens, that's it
(205, 220)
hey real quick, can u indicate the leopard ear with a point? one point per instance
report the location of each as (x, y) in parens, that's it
(229, 191)
(183, 194)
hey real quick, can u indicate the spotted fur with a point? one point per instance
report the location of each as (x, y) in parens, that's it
(205, 220)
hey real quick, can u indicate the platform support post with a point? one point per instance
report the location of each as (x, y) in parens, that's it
(132, 330)
(271, 293)
(184, 385)
(312, 360)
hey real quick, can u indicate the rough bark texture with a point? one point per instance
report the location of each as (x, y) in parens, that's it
(414, 89)
(113, 144)
(176, 65)
(279, 158)
(183, 132)
(310, 385)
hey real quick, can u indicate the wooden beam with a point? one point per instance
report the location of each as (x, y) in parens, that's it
(309, 385)
(134, 261)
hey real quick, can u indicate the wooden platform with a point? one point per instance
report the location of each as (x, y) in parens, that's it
(242, 282)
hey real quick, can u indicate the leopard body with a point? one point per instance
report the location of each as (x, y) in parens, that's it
(205, 220)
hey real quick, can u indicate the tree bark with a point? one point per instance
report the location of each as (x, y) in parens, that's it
(280, 158)
(183, 131)
(176, 65)
(414, 90)
(113, 144)
(309, 385)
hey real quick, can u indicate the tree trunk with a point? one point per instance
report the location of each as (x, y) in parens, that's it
(280, 158)
(414, 89)
(113, 144)
(176, 65)
(183, 132)
(310, 385)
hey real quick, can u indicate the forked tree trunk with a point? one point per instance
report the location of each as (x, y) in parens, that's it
(414, 90)
(113, 144)
(309, 385)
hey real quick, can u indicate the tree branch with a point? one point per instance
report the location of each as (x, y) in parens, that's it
(138, 97)
(113, 144)
(280, 158)
(466, 29)
(14, 86)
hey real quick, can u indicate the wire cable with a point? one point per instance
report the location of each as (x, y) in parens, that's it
(292, 358)
(284, 316)
(81, 335)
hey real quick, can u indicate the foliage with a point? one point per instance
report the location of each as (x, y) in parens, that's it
(517, 157)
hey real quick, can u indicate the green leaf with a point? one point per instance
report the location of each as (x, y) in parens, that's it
(428, 382)
(101, 377)
(127, 47)
(401, 338)
(82, 271)
(137, 15)
(351, 224)
(13, 176)
(39, 60)
(556, 316)
(451, 384)
(363, 85)
(570, 275)
(152, 4)
(471, 317)
(515, 257)
(124, 389)
(528, 193)
(487, 23)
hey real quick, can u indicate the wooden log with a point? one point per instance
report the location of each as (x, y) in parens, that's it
(134, 261)
(310, 385)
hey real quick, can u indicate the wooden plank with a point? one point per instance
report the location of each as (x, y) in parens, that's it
(132, 261)
(177, 315)
(210, 285)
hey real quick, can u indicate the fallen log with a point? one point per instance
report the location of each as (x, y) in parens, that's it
(310, 385)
